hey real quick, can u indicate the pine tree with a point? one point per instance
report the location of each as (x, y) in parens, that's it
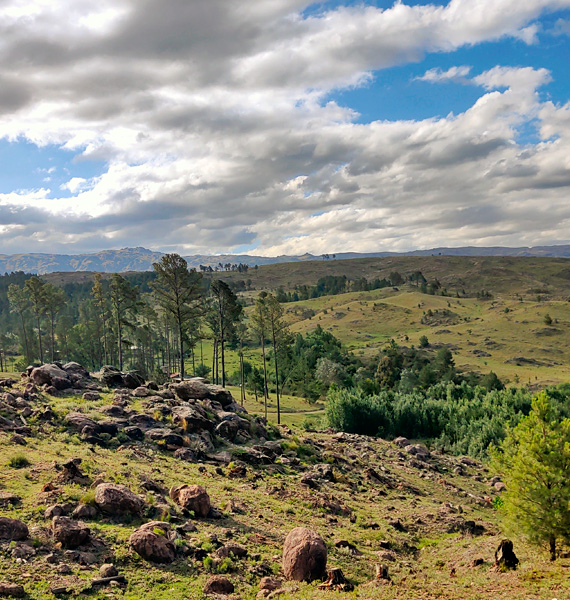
(180, 294)
(535, 462)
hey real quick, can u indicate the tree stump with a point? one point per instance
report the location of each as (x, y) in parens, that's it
(505, 558)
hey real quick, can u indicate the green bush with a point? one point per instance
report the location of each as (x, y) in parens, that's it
(18, 461)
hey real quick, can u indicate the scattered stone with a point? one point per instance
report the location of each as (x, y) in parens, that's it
(12, 589)
(92, 395)
(231, 549)
(500, 486)
(505, 557)
(418, 450)
(108, 570)
(345, 544)
(402, 442)
(13, 529)
(70, 534)
(192, 498)
(304, 555)
(219, 584)
(7, 499)
(115, 499)
(135, 433)
(154, 541)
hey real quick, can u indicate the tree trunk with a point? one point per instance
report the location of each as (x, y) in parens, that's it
(26, 345)
(181, 342)
(52, 338)
(120, 340)
(276, 376)
(552, 545)
(265, 388)
(40, 337)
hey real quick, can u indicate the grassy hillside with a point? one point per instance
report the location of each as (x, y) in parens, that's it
(432, 522)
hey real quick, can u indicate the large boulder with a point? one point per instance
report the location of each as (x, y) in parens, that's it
(50, 375)
(110, 376)
(70, 534)
(192, 498)
(115, 499)
(304, 555)
(13, 529)
(154, 541)
(80, 421)
(75, 369)
(165, 436)
(196, 389)
(192, 419)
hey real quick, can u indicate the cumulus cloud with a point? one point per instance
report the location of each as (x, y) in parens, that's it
(456, 74)
(211, 117)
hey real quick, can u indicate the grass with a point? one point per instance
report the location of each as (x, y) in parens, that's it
(274, 502)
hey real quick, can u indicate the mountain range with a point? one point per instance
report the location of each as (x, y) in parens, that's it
(141, 259)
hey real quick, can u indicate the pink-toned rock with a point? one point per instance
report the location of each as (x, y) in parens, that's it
(13, 529)
(154, 541)
(115, 499)
(192, 497)
(304, 555)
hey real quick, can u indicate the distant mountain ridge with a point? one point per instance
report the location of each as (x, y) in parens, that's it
(141, 259)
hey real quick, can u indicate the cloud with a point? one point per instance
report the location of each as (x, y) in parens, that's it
(211, 119)
(456, 74)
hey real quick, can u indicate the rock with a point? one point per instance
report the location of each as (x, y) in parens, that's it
(231, 549)
(196, 389)
(84, 511)
(141, 392)
(192, 498)
(402, 442)
(115, 499)
(80, 421)
(55, 510)
(185, 454)
(91, 396)
(135, 433)
(418, 450)
(505, 557)
(73, 368)
(12, 589)
(70, 534)
(13, 529)
(46, 374)
(192, 419)
(270, 584)
(132, 380)
(500, 486)
(219, 584)
(304, 555)
(154, 541)
(164, 436)
(108, 570)
(7, 499)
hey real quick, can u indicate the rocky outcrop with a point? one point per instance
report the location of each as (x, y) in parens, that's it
(115, 499)
(196, 389)
(154, 541)
(111, 377)
(192, 498)
(304, 555)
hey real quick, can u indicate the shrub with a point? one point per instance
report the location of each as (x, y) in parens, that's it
(18, 461)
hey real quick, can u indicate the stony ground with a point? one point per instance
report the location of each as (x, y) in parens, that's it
(429, 519)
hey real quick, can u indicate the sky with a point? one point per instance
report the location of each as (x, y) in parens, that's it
(283, 126)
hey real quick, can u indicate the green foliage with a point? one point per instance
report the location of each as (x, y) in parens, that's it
(19, 461)
(535, 461)
(460, 418)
